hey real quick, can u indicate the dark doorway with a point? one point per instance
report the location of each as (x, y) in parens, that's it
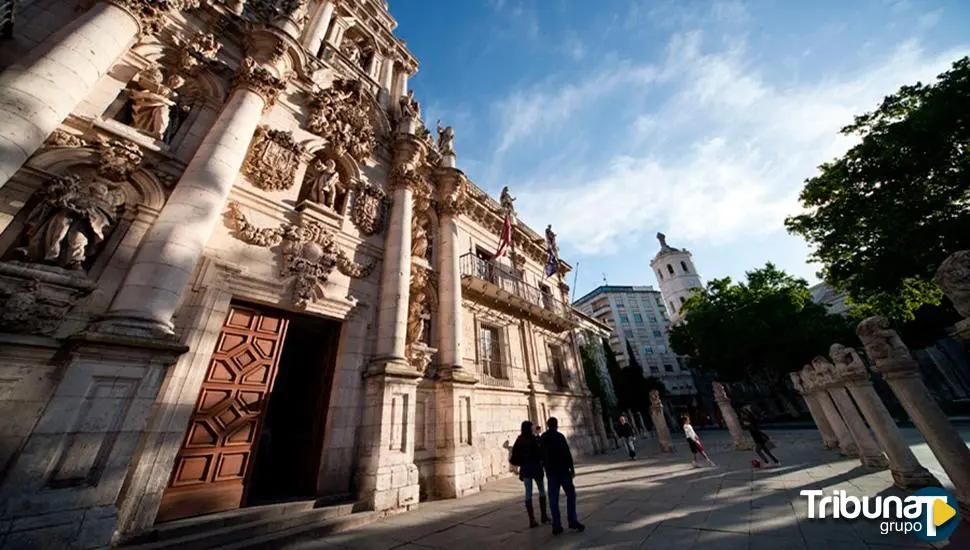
(288, 453)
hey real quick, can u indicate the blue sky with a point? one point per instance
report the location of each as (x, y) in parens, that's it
(615, 120)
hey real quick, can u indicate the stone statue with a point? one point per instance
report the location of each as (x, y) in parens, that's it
(953, 276)
(655, 399)
(196, 52)
(71, 221)
(151, 106)
(881, 342)
(796, 381)
(419, 237)
(847, 361)
(416, 318)
(506, 200)
(824, 373)
(663, 240)
(551, 239)
(410, 108)
(446, 139)
(324, 188)
(352, 51)
(720, 392)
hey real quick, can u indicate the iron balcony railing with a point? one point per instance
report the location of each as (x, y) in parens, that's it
(8, 10)
(473, 266)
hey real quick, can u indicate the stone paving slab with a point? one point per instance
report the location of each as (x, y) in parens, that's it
(660, 502)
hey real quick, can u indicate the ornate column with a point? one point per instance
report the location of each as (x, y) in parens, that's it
(388, 478)
(730, 417)
(894, 362)
(818, 416)
(907, 472)
(167, 256)
(847, 446)
(869, 452)
(659, 423)
(41, 90)
(318, 30)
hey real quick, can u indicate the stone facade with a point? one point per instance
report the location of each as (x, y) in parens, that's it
(206, 201)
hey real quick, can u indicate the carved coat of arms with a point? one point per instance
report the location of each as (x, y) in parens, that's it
(273, 159)
(368, 208)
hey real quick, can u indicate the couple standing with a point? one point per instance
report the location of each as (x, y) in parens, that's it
(549, 453)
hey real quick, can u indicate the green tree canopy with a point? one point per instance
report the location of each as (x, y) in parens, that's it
(600, 388)
(616, 375)
(763, 328)
(885, 215)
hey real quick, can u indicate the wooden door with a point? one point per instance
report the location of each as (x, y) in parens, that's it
(216, 457)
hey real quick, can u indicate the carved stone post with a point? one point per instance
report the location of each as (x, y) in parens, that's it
(847, 445)
(953, 276)
(818, 416)
(869, 453)
(659, 423)
(907, 472)
(167, 256)
(894, 362)
(39, 91)
(730, 418)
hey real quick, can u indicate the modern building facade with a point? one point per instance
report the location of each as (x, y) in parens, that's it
(833, 300)
(638, 315)
(237, 268)
(677, 276)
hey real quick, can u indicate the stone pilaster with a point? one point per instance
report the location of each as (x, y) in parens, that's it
(730, 418)
(907, 472)
(169, 252)
(869, 452)
(660, 423)
(894, 362)
(818, 416)
(318, 31)
(847, 445)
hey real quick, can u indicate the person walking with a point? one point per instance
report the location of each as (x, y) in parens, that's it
(557, 460)
(694, 443)
(527, 455)
(625, 431)
(762, 443)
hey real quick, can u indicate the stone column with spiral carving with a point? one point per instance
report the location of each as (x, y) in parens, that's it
(907, 472)
(43, 87)
(659, 422)
(847, 446)
(897, 366)
(730, 418)
(167, 256)
(869, 452)
(818, 416)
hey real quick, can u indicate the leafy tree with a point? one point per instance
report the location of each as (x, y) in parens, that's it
(638, 393)
(761, 329)
(886, 214)
(600, 388)
(616, 375)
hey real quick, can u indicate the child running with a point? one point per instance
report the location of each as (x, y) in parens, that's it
(694, 443)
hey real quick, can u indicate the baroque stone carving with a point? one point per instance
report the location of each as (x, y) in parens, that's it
(953, 276)
(196, 52)
(273, 159)
(720, 392)
(151, 13)
(456, 201)
(325, 186)
(35, 299)
(151, 106)
(655, 401)
(824, 372)
(119, 158)
(420, 236)
(309, 254)
(61, 138)
(260, 80)
(507, 201)
(882, 343)
(847, 362)
(417, 306)
(796, 381)
(410, 108)
(270, 11)
(339, 115)
(368, 206)
(446, 139)
(71, 221)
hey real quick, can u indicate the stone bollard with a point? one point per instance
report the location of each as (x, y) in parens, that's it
(870, 455)
(818, 416)
(907, 472)
(894, 362)
(730, 418)
(847, 446)
(659, 423)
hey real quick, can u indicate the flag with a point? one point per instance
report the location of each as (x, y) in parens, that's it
(505, 241)
(552, 261)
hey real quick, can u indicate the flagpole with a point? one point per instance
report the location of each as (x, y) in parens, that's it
(575, 278)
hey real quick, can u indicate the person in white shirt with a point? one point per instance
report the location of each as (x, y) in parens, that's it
(694, 443)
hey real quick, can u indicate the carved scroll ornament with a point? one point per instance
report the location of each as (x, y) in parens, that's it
(273, 159)
(339, 115)
(197, 51)
(309, 254)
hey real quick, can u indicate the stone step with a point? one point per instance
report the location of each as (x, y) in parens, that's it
(224, 528)
(302, 533)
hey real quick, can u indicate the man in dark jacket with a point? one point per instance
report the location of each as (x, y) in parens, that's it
(558, 462)
(625, 432)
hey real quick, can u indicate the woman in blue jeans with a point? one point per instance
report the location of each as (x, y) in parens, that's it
(527, 455)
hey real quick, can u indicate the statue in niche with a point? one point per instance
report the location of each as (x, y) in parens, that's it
(420, 237)
(326, 188)
(446, 139)
(352, 50)
(410, 108)
(151, 107)
(71, 222)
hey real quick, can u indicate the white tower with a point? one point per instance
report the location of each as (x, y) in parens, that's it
(676, 275)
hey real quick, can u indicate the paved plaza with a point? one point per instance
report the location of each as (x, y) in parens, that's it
(660, 501)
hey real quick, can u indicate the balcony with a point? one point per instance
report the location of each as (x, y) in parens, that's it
(497, 287)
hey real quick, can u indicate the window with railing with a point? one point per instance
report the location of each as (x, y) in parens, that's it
(557, 364)
(490, 351)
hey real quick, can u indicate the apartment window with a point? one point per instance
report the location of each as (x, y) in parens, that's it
(654, 369)
(490, 350)
(684, 266)
(637, 318)
(629, 334)
(652, 318)
(668, 367)
(657, 334)
(670, 269)
(624, 318)
(648, 350)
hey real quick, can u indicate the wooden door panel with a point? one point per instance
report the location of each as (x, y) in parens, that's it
(216, 457)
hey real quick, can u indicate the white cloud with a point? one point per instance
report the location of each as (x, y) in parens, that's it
(748, 143)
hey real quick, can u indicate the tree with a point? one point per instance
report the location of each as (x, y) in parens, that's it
(885, 215)
(600, 388)
(761, 329)
(638, 393)
(616, 375)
